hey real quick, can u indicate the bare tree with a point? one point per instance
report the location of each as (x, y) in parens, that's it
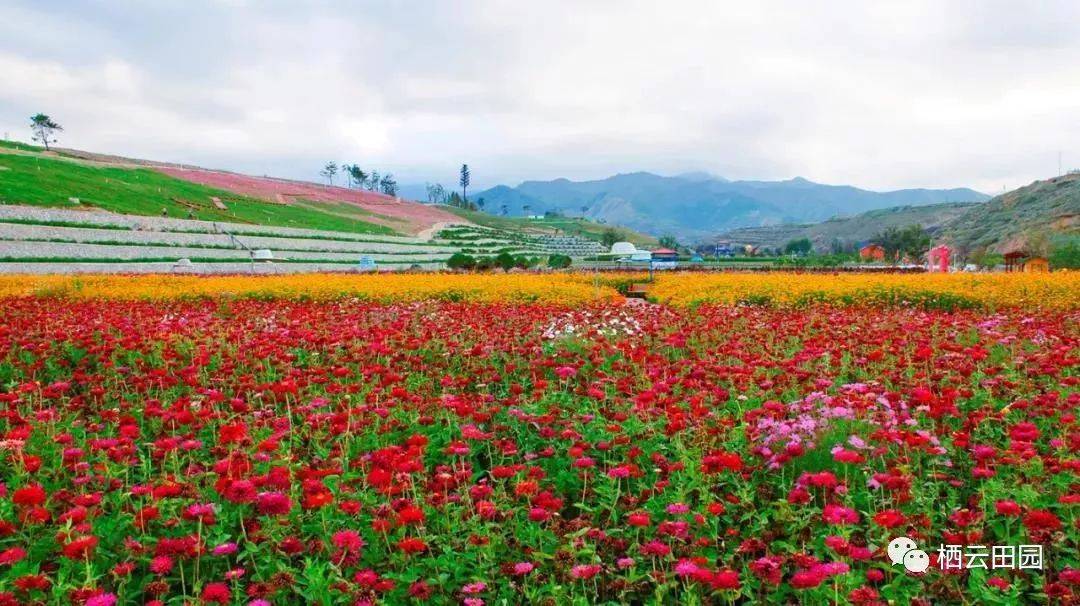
(436, 193)
(329, 171)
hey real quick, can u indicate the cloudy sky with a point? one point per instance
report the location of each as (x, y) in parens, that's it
(877, 94)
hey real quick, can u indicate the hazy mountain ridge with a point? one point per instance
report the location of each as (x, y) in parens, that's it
(697, 206)
(1023, 219)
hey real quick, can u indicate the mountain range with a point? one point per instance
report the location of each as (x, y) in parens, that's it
(1033, 218)
(697, 206)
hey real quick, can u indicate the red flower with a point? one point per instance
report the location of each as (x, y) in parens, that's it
(1041, 520)
(161, 565)
(1007, 508)
(411, 545)
(11, 556)
(890, 518)
(718, 461)
(216, 593)
(273, 503)
(725, 579)
(807, 579)
(410, 515)
(31, 495)
(240, 491)
(80, 548)
(420, 590)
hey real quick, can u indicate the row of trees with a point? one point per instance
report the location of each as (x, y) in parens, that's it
(437, 194)
(356, 178)
(504, 261)
(912, 242)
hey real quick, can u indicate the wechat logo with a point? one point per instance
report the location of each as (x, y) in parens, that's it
(903, 550)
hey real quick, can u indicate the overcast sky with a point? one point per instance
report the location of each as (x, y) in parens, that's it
(879, 95)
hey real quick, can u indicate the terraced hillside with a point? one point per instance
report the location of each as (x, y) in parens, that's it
(553, 226)
(49, 240)
(75, 211)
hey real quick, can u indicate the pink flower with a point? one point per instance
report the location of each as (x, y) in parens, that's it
(840, 515)
(677, 508)
(225, 549)
(585, 571)
(103, 599)
(474, 587)
(523, 568)
(685, 568)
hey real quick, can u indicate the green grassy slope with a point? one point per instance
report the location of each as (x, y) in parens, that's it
(855, 229)
(1048, 209)
(572, 226)
(38, 180)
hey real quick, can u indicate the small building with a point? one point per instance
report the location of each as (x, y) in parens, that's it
(623, 248)
(1036, 265)
(1014, 261)
(872, 252)
(665, 254)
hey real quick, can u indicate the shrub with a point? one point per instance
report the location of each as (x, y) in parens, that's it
(559, 261)
(505, 260)
(461, 261)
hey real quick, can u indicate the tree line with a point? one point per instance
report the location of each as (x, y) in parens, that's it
(357, 178)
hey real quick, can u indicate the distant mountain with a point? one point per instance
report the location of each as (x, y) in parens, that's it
(1028, 218)
(697, 206)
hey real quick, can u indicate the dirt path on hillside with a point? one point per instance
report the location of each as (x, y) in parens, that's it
(431, 232)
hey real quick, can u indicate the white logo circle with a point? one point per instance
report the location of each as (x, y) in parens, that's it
(903, 550)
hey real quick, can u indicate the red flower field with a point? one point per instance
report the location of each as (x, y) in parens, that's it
(343, 452)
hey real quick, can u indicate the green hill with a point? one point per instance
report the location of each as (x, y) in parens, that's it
(35, 179)
(1043, 212)
(852, 231)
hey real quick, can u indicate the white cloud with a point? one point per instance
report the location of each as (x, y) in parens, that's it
(881, 95)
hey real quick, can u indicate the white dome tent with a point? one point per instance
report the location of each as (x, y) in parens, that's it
(623, 248)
